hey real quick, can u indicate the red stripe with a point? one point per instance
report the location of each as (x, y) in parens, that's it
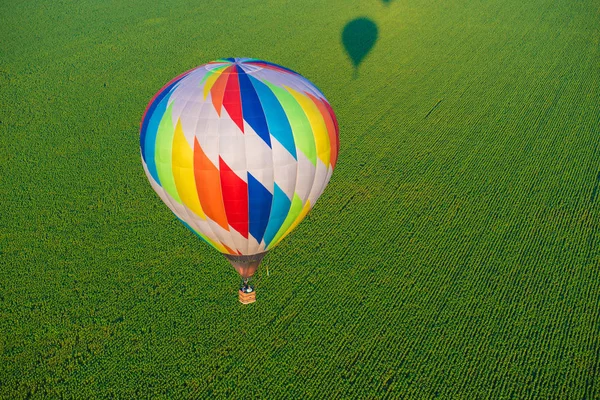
(208, 186)
(232, 100)
(330, 127)
(337, 133)
(218, 88)
(235, 198)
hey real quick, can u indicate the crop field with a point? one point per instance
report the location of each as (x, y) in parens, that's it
(454, 254)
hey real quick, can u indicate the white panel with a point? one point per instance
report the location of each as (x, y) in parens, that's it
(160, 192)
(195, 76)
(241, 243)
(177, 208)
(253, 245)
(309, 87)
(211, 66)
(188, 123)
(179, 99)
(325, 182)
(217, 233)
(207, 130)
(193, 110)
(223, 234)
(207, 112)
(281, 79)
(319, 180)
(212, 125)
(265, 177)
(259, 158)
(185, 90)
(189, 120)
(210, 147)
(232, 147)
(190, 107)
(306, 175)
(261, 247)
(285, 168)
(198, 224)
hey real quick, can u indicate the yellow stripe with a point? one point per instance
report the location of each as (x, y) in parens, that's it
(317, 125)
(210, 81)
(183, 172)
(299, 219)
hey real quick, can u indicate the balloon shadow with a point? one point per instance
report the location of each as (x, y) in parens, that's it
(386, 2)
(359, 37)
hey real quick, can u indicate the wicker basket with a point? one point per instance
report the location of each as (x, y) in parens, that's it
(247, 298)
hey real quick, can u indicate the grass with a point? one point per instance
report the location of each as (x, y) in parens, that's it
(455, 252)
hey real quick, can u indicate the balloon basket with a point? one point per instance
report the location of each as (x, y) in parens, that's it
(247, 298)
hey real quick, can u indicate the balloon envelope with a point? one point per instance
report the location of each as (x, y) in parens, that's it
(240, 150)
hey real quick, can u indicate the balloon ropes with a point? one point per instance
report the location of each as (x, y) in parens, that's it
(240, 150)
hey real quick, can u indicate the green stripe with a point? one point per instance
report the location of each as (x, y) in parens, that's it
(295, 210)
(301, 129)
(164, 153)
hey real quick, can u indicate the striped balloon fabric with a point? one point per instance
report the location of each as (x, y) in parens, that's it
(240, 150)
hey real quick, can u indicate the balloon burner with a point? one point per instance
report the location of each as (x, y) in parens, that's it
(246, 266)
(246, 293)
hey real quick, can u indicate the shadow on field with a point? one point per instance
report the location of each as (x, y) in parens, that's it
(359, 37)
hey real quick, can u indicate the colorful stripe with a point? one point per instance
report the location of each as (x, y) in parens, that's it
(317, 124)
(330, 129)
(217, 91)
(252, 109)
(183, 172)
(242, 179)
(277, 122)
(232, 100)
(151, 111)
(208, 185)
(235, 198)
(303, 136)
(164, 154)
(259, 208)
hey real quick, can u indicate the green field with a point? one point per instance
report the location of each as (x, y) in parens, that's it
(455, 253)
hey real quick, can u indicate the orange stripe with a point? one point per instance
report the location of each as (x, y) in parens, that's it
(218, 90)
(337, 132)
(230, 251)
(208, 184)
(330, 128)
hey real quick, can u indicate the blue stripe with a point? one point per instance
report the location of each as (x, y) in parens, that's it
(164, 91)
(259, 205)
(251, 108)
(150, 127)
(277, 120)
(150, 137)
(279, 211)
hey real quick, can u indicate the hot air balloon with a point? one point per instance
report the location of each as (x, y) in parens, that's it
(240, 150)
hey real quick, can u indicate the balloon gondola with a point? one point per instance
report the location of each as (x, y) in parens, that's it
(239, 150)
